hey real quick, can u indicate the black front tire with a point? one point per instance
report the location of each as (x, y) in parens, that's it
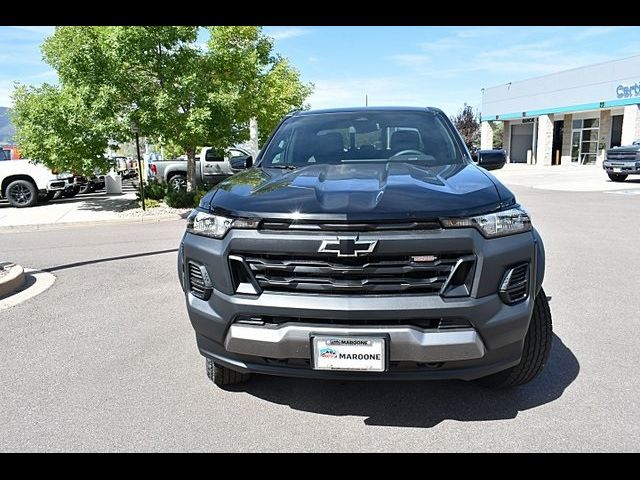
(224, 376)
(617, 177)
(86, 188)
(21, 194)
(44, 198)
(537, 345)
(72, 192)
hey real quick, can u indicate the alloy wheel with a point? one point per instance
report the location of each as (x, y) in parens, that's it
(178, 183)
(20, 194)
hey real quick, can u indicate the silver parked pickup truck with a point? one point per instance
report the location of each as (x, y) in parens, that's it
(213, 169)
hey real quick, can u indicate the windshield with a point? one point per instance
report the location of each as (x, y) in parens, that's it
(422, 137)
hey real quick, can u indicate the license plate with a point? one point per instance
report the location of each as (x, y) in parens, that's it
(617, 170)
(349, 353)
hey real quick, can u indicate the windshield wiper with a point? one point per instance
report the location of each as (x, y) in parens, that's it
(283, 167)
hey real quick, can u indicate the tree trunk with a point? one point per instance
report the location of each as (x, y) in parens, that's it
(191, 169)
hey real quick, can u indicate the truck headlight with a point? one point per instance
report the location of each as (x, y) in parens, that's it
(216, 226)
(498, 224)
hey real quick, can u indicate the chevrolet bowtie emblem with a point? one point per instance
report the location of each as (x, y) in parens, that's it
(347, 247)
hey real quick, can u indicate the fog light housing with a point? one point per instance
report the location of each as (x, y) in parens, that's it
(514, 287)
(200, 284)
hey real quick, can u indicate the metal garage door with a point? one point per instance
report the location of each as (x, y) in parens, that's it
(521, 141)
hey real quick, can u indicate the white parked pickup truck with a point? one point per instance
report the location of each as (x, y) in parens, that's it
(213, 169)
(24, 184)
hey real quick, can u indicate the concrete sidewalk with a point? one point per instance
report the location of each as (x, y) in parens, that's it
(92, 208)
(81, 208)
(570, 178)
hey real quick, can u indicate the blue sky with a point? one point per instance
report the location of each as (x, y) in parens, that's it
(437, 66)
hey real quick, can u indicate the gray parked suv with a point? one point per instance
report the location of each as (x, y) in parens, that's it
(364, 244)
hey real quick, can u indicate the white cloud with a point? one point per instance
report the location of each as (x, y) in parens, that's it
(289, 32)
(523, 51)
(351, 92)
(6, 88)
(36, 29)
(389, 90)
(42, 75)
(477, 32)
(412, 60)
(443, 44)
(313, 59)
(595, 32)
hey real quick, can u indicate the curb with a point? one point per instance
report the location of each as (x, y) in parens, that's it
(36, 282)
(88, 223)
(13, 281)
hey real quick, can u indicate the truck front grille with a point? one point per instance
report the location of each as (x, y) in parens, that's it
(360, 275)
(612, 155)
(425, 323)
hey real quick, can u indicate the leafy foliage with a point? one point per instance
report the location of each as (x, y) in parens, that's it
(54, 125)
(160, 78)
(186, 199)
(180, 198)
(498, 133)
(149, 203)
(468, 124)
(154, 190)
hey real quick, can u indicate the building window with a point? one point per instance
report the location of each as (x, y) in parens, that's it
(584, 141)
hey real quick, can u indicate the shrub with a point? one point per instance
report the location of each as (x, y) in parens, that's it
(201, 192)
(180, 199)
(149, 203)
(154, 191)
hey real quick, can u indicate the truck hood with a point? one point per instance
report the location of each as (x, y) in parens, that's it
(363, 191)
(626, 148)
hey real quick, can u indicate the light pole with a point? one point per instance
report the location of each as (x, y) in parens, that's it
(136, 130)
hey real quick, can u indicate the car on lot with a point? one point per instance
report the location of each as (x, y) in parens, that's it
(620, 162)
(25, 183)
(365, 243)
(214, 168)
(490, 159)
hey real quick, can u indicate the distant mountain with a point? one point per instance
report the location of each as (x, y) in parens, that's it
(7, 130)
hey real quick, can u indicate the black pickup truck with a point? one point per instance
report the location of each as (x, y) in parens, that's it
(621, 162)
(364, 244)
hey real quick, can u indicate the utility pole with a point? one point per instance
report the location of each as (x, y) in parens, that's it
(253, 136)
(136, 130)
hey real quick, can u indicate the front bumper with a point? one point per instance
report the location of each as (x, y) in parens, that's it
(491, 342)
(628, 167)
(55, 185)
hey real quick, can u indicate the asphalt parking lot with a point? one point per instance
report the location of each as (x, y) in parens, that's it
(105, 360)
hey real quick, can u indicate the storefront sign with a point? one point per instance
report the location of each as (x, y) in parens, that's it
(624, 91)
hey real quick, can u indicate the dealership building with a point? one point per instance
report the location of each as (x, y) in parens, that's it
(565, 118)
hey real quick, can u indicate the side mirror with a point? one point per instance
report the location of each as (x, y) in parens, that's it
(248, 163)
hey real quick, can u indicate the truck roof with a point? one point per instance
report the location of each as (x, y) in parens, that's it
(302, 113)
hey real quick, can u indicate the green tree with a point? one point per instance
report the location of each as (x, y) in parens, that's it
(498, 133)
(174, 89)
(468, 124)
(169, 149)
(53, 124)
